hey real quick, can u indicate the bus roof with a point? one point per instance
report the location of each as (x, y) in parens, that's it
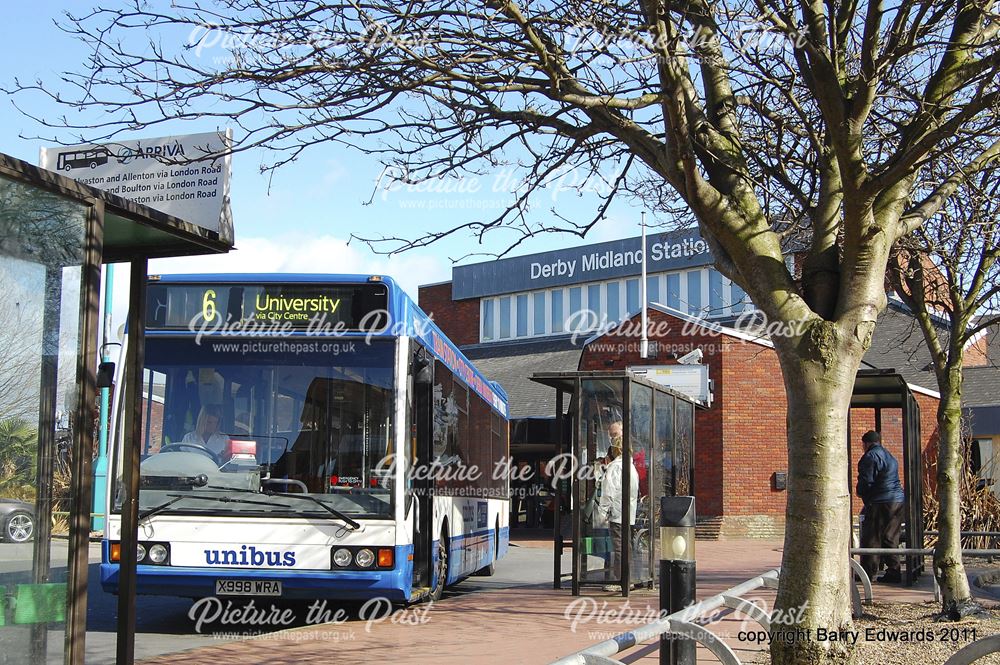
(407, 319)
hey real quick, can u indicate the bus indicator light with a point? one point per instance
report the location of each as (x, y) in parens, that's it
(116, 552)
(385, 557)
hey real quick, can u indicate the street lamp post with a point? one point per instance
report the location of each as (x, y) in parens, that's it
(677, 573)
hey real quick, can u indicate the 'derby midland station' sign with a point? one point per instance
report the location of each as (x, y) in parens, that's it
(590, 263)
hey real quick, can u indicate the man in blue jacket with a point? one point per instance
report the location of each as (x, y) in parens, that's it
(879, 489)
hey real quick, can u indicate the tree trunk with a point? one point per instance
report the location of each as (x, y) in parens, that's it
(948, 567)
(819, 372)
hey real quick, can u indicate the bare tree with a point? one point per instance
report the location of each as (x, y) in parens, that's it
(19, 364)
(947, 272)
(764, 120)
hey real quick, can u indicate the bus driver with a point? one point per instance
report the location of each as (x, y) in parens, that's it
(206, 431)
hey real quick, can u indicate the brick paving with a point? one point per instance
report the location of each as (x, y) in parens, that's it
(524, 624)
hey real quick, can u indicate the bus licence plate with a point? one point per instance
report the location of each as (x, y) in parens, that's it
(247, 588)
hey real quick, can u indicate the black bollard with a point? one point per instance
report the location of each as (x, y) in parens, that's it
(677, 573)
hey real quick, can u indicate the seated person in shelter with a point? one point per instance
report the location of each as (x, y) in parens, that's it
(206, 431)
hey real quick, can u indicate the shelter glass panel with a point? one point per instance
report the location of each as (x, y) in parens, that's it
(601, 405)
(684, 448)
(42, 240)
(640, 449)
(662, 466)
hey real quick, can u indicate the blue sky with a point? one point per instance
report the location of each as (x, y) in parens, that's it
(299, 219)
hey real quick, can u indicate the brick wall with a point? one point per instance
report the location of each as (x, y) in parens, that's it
(458, 319)
(754, 433)
(977, 353)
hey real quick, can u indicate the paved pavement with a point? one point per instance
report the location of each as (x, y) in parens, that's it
(514, 617)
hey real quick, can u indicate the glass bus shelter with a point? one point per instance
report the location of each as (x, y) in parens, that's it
(878, 391)
(612, 500)
(54, 236)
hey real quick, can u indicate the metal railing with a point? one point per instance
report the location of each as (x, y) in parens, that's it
(681, 624)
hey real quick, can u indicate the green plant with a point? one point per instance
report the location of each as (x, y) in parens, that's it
(18, 449)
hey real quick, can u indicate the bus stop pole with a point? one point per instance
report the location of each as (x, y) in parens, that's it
(557, 509)
(132, 445)
(101, 463)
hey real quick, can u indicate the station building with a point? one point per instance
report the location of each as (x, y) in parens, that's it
(580, 309)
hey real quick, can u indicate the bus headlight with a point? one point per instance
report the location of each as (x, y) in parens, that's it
(157, 553)
(342, 557)
(140, 553)
(364, 558)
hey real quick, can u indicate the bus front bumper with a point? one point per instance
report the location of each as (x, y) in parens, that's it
(394, 584)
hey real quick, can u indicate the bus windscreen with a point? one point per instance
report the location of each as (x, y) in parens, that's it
(312, 307)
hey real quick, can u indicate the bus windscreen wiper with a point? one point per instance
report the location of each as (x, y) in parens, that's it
(333, 511)
(203, 497)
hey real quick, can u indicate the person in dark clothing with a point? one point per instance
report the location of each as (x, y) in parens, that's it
(882, 494)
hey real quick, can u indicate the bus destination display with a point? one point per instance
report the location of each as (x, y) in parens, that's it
(314, 307)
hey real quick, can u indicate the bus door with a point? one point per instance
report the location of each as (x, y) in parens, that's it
(421, 456)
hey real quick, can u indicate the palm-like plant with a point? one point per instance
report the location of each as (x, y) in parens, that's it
(18, 449)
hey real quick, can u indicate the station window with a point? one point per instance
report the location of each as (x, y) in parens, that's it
(694, 292)
(716, 285)
(504, 317)
(522, 315)
(653, 289)
(632, 296)
(487, 318)
(594, 302)
(539, 306)
(575, 300)
(557, 311)
(614, 306)
(674, 291)
(738, 298)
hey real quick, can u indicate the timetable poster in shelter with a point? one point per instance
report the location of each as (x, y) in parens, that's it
(184, 176)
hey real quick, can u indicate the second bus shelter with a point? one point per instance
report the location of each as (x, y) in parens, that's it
(624, 442)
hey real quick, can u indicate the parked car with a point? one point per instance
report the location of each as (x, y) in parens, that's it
(18, 519)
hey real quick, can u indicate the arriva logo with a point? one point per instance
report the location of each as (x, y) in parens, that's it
(249, 556)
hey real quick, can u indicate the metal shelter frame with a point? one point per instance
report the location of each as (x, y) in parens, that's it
(879, 389)
(115, 230)
(636, 428)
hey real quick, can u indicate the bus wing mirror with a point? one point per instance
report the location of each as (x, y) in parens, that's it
(105, 375)
(422, 371)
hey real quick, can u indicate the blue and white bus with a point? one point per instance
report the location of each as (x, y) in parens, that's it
(308, 436)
